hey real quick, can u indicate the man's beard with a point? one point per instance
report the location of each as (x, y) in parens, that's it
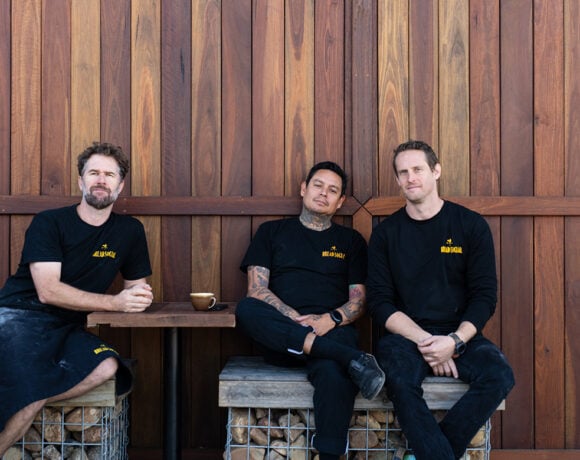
(100, 203)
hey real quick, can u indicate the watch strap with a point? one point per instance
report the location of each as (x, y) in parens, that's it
(336, 317)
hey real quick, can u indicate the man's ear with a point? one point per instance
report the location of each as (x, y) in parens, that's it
(340, 201)
(437, 171)
(302, 188)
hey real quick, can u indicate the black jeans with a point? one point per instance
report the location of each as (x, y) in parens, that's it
(482, 365)
(334, 391)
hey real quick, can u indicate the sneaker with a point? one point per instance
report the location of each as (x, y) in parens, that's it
(367, 375)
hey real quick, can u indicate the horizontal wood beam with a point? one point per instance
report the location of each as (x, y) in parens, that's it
(285, 206)
(492, 205)
(174, 205)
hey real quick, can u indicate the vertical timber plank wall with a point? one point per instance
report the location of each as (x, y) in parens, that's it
(238, 98)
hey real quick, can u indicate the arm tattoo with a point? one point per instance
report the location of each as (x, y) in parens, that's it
(355, 307)
(258, 281)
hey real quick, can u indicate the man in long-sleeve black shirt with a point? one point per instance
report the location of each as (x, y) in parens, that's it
(432, 285)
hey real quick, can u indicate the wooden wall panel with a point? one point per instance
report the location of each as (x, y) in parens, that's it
(236, 136)
(516, 178)
(549, 180)
(55, 118)
(393, 90)
(484, 97)
(329, 81)
(572, 224)
(298, 93)
(224, 105)
(364, 123)
(517, 300)
(484, 111)
(146, 180)
(25, 113)
(116, 76)
(268, 97)
(454, 152)
(423, 71)
(85, 78)
(115, 111)
(5, 63)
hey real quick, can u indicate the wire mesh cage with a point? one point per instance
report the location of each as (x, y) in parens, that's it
(256, 433)
(78, 432)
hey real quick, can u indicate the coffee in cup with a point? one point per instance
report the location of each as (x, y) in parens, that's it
(202, 300)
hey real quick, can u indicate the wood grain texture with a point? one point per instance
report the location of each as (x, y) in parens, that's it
(181, 206)
(454, 152)
(176, 43)
(572, 323)
(85, 79)
(365, 132)
(572, 225)
(268, 97)
(548, 98)
(236, 97)
(5, 63)
(393, 48)
(517, 113)
(484, 97)
(298, 93)
(146, 180)
(549, 331)
(25, 97)
(116, 76)
(517, 299)
(423, 71)
(58, 176)
(329, 81)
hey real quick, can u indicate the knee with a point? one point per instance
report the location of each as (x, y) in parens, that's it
(245, 310)
(505, 380)
(106, 369)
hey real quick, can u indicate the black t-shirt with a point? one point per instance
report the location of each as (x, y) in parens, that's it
(91, 257)
(439, 271)
(309, 270)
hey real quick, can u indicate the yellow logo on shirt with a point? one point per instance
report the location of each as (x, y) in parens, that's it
(450, 249)
(104, 252)
(103, 348)
(334, 253)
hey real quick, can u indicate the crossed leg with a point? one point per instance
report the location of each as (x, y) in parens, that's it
(20, 422)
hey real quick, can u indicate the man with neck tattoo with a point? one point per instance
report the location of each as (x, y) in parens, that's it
(305, 290)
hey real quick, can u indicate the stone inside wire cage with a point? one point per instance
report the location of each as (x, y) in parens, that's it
(79, 432)
(266, 433)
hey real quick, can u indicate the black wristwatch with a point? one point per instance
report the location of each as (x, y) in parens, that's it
(459, 344)
(336, 317)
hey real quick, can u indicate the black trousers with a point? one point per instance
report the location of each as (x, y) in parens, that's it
(282, 340)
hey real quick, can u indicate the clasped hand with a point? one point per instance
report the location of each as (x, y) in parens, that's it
(320, 324)
(133, 299)
(437, 351)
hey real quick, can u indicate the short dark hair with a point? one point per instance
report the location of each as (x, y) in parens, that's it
(331, 166)
(108, 150)
(430, 155)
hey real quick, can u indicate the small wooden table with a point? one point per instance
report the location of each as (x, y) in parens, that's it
(172, 316)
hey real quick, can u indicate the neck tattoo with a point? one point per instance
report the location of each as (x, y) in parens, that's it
(315, 221)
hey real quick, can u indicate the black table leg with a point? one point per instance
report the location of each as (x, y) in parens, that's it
(172, 394)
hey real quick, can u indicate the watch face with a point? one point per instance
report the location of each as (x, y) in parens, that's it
(336, 317)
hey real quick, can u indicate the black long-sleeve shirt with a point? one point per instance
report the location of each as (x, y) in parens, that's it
(439, 271)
